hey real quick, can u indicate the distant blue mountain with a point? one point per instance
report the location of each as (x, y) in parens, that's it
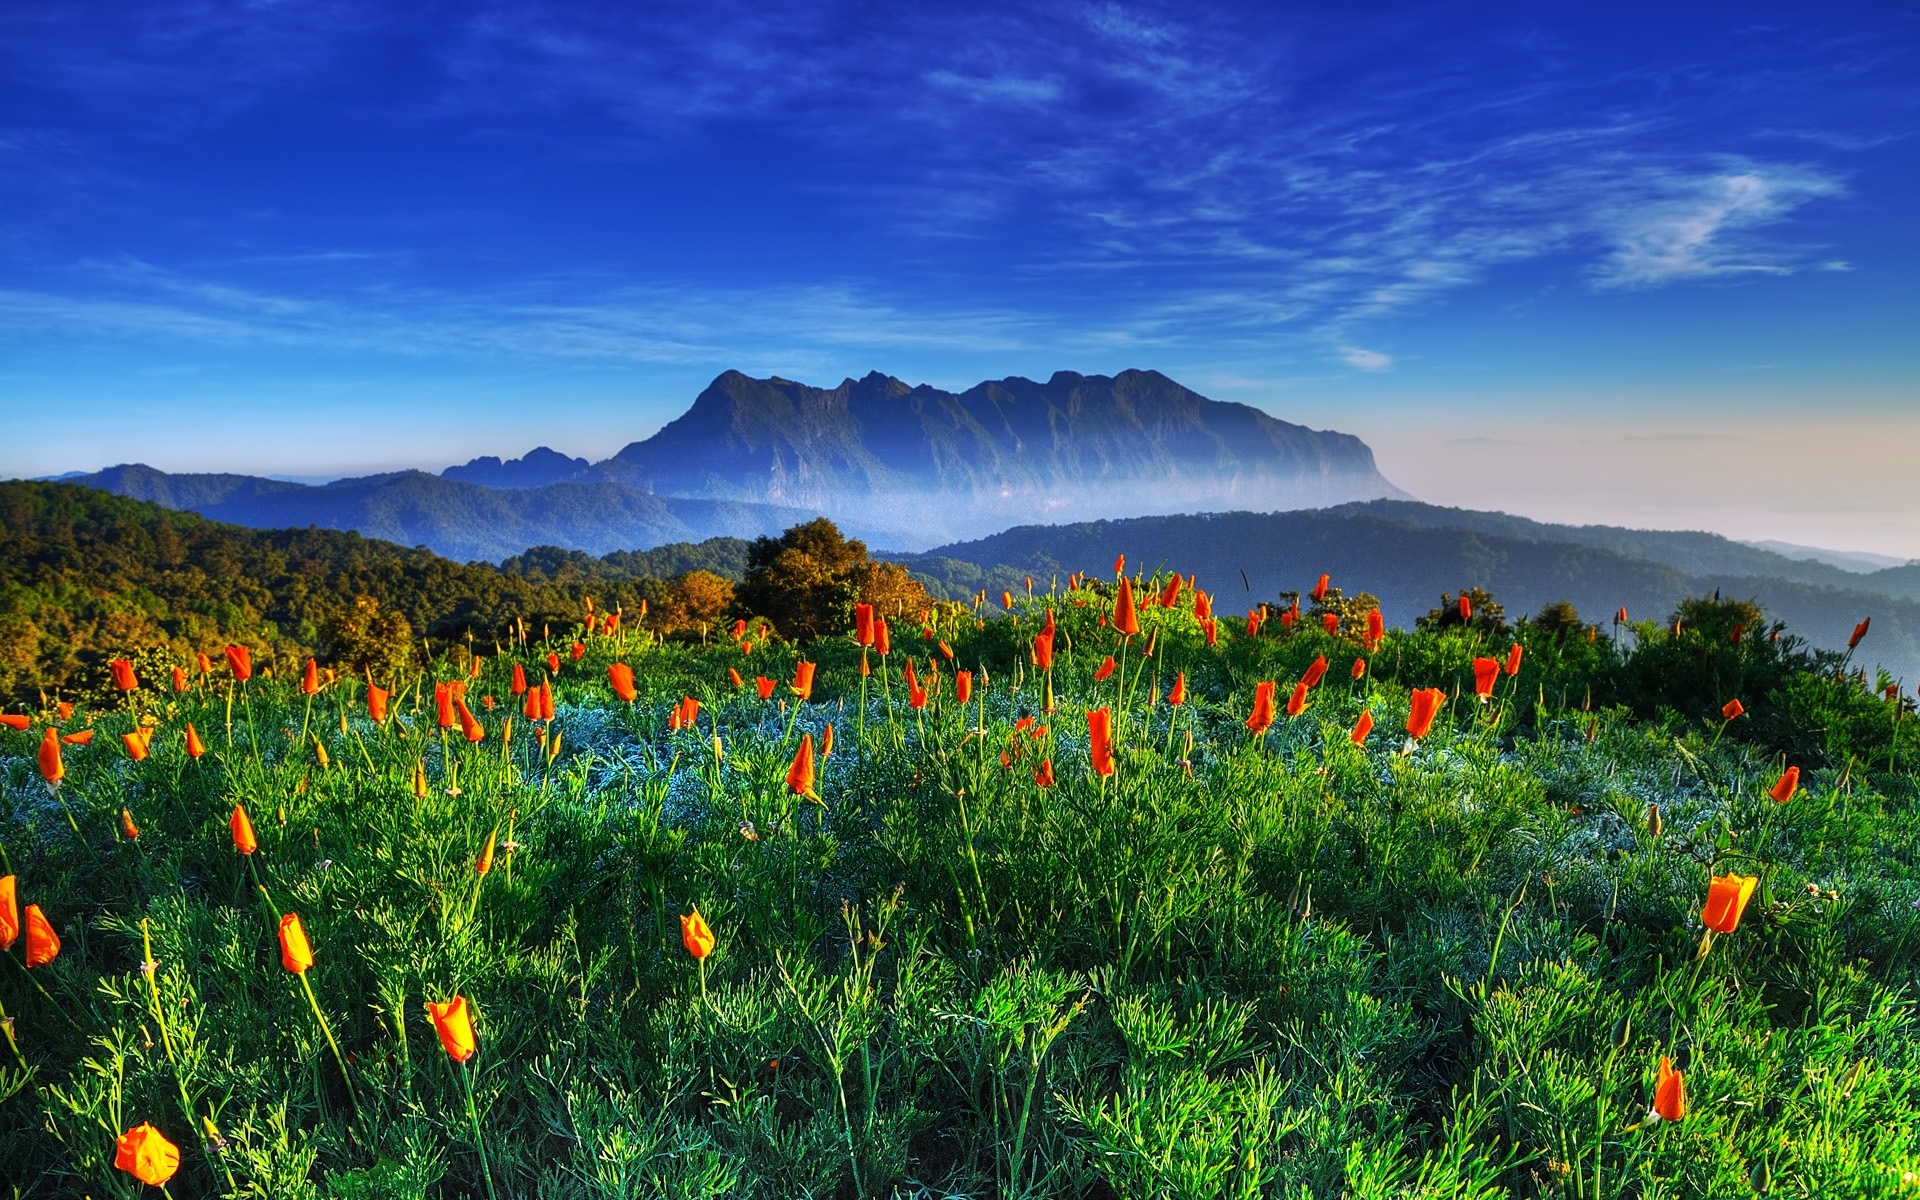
(459, 520)
(538, 468)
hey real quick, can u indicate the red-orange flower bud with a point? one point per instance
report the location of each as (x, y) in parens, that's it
(454, 1025)
(296, 953)
(145, 1153)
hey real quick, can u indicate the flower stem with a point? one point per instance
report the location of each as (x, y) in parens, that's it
(479, 1143)
(327, 1029)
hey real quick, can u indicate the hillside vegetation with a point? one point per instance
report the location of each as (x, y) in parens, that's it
(1098, 891)
(1409, 554)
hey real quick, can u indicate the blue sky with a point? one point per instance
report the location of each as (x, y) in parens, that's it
(1643, 264)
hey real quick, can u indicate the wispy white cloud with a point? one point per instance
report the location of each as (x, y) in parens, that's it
(1689, 227)
(1158, 171)
(1365, 360)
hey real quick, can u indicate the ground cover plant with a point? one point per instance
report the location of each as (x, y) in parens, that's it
(1084, 890)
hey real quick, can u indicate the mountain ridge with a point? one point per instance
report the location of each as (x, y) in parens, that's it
(1003, 449)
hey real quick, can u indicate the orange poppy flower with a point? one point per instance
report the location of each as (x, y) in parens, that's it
(443, 705)
(1669, 1092)
(963, 686)
(1120, 564)
(242, 829)
(240, 662)
(15, 721)
(553, 663)
(882, 637)
(1514, 654)
(1316, 671)
(1211, 629)
(1376, 627)
(863, 624)
(1859, 631)
(484, 863)
(145, 1153)
(1171, 595)
(826, 742)
(1727, 897)
(43, 944)
(1125, 619)
(127, 826)
(1043, 774)
(82, 737)
(1732, 708)
(1104, 670)
(202, 663)
(179, 679)
(9, 911)
(1466, 608)
(1359, 670)
(52, 768)
(195, 747)
(1043, 651)
(377, 698)
(1485, 672)
(1297, 703)
(310, 680)
(803, 680)
(695, 935)
(1253, 623)
(577, 649)
(470, 725)
(739, 628)
(1100, 740)
(296, 953)
(1331, 623)
(916, 694)
(519, 685)
(1785, 786)
(1423, 707)
(1006, 599)
(123, 677)
(1362, 728)
(454, 1025)
(800, 773)
(1202, 606)
(1178, 695)
(546, 701)
(1320, 589)
(764, 686)
(621, 676)
(1261, 718)
(65, 709)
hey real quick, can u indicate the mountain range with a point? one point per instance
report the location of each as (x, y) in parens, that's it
(1407, 554)
(902, 466)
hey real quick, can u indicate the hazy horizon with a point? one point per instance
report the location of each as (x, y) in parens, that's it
(1638, 267)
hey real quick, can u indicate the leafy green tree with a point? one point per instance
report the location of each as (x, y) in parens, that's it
(807, 580)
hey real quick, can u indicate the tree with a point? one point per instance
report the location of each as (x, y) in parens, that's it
(367, 639)
(1485, 614)
(1558, 617)
(695, 601)
(807, 580)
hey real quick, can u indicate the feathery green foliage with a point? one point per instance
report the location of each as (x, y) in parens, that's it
(1276, 966)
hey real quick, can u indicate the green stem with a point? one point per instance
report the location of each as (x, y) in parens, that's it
(327, 1029)
(479, 1143)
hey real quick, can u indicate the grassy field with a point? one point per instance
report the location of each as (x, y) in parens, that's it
(1244, 963)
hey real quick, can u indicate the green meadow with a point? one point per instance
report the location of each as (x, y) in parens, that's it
(1275, 962)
